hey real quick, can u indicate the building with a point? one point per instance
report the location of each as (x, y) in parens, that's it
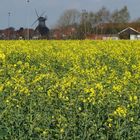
(102, 37)
(64, 33)
(129, 33)
(115, 31)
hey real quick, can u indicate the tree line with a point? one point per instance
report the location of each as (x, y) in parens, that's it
(73, 16)
(87, 22)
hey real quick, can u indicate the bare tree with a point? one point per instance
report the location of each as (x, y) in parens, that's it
(102, 16)
(121, 16)
(69, 17)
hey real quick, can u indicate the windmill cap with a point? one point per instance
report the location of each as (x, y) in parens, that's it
(41, 18)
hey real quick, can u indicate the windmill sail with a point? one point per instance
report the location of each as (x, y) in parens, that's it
(34, 22)
(36, 13)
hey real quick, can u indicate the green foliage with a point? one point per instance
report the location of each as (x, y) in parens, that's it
(81, 90)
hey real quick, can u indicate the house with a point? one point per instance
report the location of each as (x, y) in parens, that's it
(115, 31)
(8, 33)
(129, 33)
(102, 37)
(24, 33)
(64, 33)
(115, 28)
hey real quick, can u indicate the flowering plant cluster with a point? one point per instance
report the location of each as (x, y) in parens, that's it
(81, 90)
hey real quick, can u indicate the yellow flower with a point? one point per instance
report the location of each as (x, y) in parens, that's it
(1, 87)
(134, 67)
(110, 125)
(61, 130)
(99, 86)
(19, 62)
(117, 88)
(26, 65)
(133, 98)
(90, 95)
(2, 56)
(84, 100)
(130, 98)
(45, 132)
(39, 78)
(7, 101)
(80, 108)
(132, 119)
(120, 111)
(90, 90)
(25, 90)
(127, 74)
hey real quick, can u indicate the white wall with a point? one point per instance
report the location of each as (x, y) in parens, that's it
(134, 37)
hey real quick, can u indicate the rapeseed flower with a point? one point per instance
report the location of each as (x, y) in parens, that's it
(121, 111)
(117, 88)
(2, 56)
(99, 86)
(61, 88)
(133, 98)
(1, 87)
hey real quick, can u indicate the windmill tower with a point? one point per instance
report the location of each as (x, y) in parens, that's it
(41, 28)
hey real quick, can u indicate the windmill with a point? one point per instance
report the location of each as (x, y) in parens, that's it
(41, 28)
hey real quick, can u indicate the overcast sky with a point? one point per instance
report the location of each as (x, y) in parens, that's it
(23, 14)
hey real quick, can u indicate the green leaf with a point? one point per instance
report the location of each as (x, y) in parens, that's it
(3, 133)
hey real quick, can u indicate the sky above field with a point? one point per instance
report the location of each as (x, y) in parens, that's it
(23, 13)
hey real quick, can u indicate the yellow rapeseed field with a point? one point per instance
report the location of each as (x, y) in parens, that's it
(69, 90)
